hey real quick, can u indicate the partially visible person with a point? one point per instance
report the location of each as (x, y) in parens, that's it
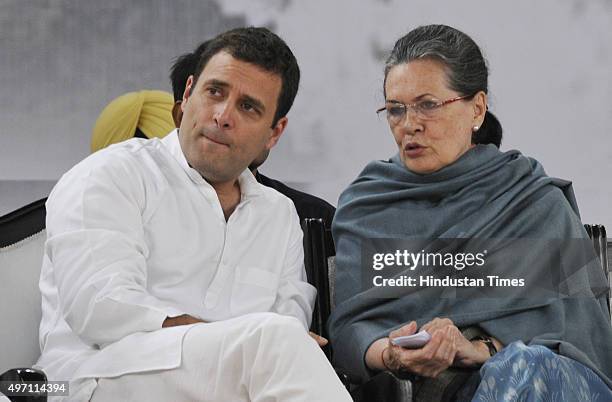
(169, 273)
(142, 114)
(449, 180)
(307, 205)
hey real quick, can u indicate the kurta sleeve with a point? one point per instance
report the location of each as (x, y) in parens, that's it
(295, 295)
(95, 242)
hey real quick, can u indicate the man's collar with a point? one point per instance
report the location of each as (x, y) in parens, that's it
(249, 187)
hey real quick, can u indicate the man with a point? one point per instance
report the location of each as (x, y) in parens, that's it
(307, 206)
(169, 272)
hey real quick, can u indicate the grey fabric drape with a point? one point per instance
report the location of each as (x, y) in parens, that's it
(484, 194)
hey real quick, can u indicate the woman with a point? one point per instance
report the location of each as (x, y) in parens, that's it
(449, 180)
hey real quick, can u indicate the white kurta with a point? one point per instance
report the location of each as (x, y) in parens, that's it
(135, 235)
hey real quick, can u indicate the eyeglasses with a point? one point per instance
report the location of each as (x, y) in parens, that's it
(425, 109)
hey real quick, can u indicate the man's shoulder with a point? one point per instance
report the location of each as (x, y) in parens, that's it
(307, 205)
(118, 155)
(131, 149)
(118, 162)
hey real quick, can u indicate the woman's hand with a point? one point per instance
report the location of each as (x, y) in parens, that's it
(469, 354)
(428, 361)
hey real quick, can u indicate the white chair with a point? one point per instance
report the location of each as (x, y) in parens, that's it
(22, 239)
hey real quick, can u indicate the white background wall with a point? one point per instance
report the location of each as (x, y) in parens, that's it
(551, 87)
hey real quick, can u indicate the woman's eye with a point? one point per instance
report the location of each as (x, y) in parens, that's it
(395, 111)
(428, 105)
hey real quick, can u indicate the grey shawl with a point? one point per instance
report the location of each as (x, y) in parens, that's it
(486, 193)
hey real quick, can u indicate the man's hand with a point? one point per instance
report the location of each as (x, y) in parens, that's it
(184, 319)
(320, 340)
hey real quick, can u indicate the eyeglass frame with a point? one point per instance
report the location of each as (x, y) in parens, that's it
(437, 106)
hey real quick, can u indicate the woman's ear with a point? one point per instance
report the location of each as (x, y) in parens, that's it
(480, 108)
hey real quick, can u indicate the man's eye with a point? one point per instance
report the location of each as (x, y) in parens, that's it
(214, 91)
(249, 107)
(427, 105)
(395, 111)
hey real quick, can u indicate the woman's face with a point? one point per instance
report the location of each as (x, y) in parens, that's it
(428, 142)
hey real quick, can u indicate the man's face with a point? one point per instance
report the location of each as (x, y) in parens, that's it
(227, 117)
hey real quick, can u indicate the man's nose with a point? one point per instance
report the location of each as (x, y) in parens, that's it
(223, 115)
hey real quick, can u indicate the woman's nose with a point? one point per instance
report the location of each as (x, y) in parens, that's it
(411, 122)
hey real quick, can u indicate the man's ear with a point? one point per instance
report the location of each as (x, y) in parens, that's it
(187, 92)
(177, 113)
(277, 131)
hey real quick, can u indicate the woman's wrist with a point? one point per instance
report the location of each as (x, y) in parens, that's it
(489, 346)
(483, 354)
(374, 354)
(382, 358)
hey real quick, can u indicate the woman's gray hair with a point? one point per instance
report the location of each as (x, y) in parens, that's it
(465, 66)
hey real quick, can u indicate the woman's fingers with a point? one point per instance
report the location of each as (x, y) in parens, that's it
(435, 357)
(408, 329)
(437, 323)
(446, 349)
(451, 350)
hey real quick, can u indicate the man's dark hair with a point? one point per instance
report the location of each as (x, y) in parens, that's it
(263, 48)
(184, 66)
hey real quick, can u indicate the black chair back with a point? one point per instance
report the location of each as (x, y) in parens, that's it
(597, 233)
(22, 223)
(316, 251)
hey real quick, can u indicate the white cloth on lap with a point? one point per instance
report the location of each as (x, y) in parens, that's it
(257, 357)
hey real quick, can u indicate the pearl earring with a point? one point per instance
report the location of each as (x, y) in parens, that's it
(475, 128)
